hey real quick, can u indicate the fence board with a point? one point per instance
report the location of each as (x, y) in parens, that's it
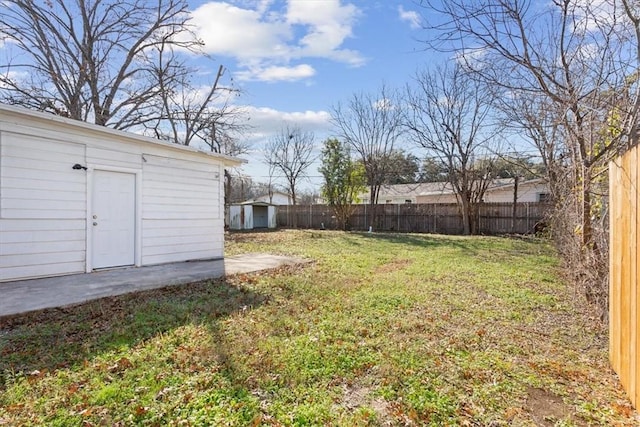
(494, 218)
(624, 313)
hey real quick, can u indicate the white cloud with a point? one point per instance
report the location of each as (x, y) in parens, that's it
(383, 104)
(471, 57)
(242, 33)
(409, 16)
(277, 73)
(265, 39)
(266, 122)
(329, 24)
(592, 14)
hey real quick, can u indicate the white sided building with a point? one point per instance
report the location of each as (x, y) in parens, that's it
(76, 197)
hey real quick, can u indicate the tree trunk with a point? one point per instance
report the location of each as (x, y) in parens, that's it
(587, 228)
(466, 216)
(373, 202)
(515, 206)
(474, 218)
(293, 205)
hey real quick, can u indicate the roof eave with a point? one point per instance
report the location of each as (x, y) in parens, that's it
(229, 161)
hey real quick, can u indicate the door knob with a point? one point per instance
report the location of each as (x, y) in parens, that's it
(95, 223)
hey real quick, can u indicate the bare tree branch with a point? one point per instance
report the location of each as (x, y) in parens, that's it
(371, 123)
(291, 152)
(92, 60)
(448, 116)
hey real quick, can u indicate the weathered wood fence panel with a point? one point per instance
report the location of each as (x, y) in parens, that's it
(624, 310)
(494, 218)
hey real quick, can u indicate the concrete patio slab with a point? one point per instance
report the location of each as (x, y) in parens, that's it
(35, 294)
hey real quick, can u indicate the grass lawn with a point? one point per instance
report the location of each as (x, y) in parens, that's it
(381, 329)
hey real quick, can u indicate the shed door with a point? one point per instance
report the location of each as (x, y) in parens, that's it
(113, 218)
(260, 217)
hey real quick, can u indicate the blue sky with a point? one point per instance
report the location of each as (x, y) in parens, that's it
(294, 59)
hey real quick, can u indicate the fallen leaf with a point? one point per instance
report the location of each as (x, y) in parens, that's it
(141, 410)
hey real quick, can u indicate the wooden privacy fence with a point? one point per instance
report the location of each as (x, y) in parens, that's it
(624, 271)
(494, 218)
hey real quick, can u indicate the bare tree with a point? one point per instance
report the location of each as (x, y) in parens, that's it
(190, 114)
(371, 123)
(531, 119)
(448, 116)
(569, 53)
(291, 152)
(244, 188)
(110, 62)
(573, 56)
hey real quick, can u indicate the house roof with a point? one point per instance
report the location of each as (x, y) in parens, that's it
(502, 183)
(254, 203)
(413, 189)
(9, 110)
(438, 188)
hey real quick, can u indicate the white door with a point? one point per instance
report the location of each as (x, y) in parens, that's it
(113, 219)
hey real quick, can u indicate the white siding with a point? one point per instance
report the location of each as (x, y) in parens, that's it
(235, 217)
(248, 217)
(527, 192)
(42, 207)
(44, 201)
(38, 180)
(272, 212)
(33, 247)
(120, 155)
(181, 212)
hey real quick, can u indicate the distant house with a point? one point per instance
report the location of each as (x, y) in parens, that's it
(432, 192)
(500, 191)
(534, 190)
(277, 198)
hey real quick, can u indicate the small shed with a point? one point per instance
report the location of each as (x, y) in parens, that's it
(251, 215)
(76, 197)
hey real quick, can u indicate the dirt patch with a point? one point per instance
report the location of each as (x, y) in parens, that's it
(547, 408)
(394, 265)
(358, 396)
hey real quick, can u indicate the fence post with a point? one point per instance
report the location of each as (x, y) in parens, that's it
(365, 217)
(435, 219)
